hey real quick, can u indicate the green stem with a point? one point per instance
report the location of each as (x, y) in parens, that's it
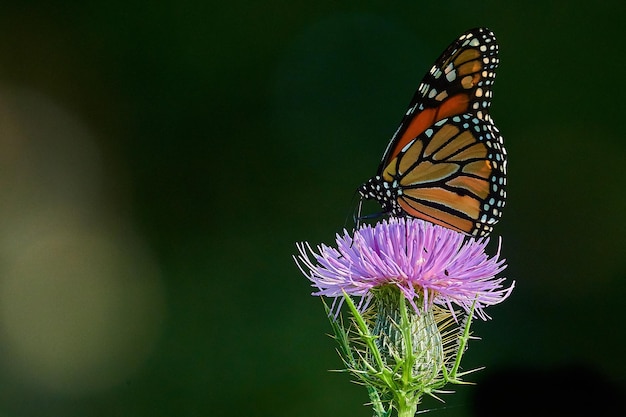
(407, 410)
(409, 357)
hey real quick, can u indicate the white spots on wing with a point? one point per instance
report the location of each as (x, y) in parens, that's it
(449, 67)
(435, 71)
(407, 146)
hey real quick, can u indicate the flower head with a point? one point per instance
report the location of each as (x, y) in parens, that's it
(426, 262)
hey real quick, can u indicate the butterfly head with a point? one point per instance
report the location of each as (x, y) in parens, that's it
(385, 192)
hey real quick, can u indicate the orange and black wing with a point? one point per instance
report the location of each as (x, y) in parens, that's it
(453, 174)
(459, 82)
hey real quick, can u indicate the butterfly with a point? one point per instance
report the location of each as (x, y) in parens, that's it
(446, 162)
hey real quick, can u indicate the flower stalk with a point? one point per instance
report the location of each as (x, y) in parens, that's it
(398, 353)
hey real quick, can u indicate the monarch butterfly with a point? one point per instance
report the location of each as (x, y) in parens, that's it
(446, 163)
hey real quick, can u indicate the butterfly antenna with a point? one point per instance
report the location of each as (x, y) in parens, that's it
(356, 213)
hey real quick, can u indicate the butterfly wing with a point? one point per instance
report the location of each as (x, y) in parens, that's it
(453, 174)
(460, 81)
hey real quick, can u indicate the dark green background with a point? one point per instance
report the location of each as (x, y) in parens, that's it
(244, 127)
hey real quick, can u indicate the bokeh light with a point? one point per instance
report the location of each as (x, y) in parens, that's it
(81, 298)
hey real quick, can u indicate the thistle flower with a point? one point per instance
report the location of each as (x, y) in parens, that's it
(423, 260)
(404, 338)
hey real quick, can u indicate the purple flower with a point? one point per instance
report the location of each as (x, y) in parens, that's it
(426, 262)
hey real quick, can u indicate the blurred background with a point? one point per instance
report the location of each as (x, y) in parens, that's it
(158, 161)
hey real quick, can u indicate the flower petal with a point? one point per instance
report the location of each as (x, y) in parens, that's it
(421, 259)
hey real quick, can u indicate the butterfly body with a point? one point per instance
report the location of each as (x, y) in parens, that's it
(446, 163)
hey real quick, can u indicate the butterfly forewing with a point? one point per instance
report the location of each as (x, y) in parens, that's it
(460, 81)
